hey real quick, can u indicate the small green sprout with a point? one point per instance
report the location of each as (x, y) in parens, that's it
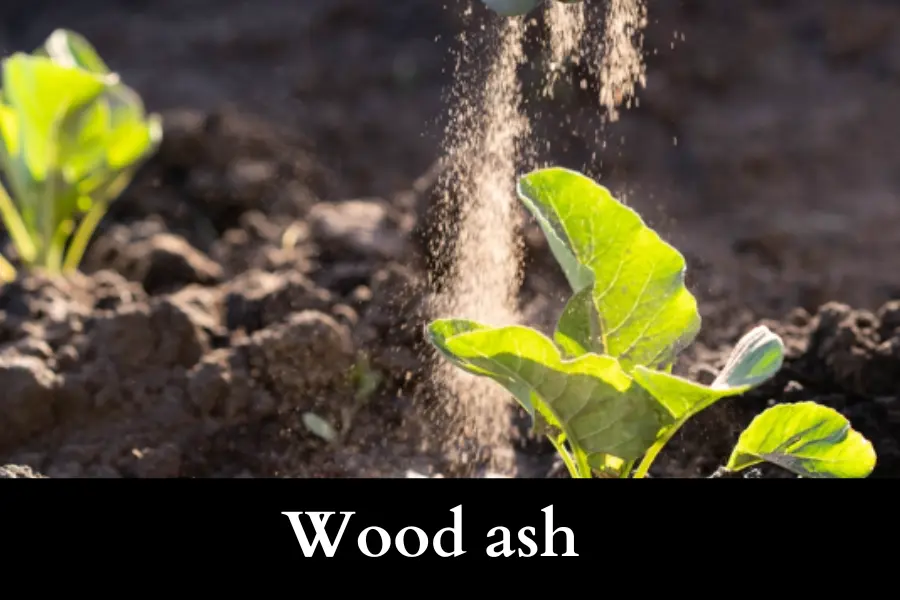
(602, 389)
(72, 137)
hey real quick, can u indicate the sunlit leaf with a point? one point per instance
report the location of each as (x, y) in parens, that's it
(578, 329)
(590, 398)
(756, 357)
(807, 439)
(647, 314)
(42, 93)
(73, 50)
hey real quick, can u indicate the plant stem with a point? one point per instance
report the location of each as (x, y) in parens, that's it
(7, 271)
(584, 467)
(656, 448)
(16, 227)
(46, 220)
(57, 246)
(83, 235)
(567, 458)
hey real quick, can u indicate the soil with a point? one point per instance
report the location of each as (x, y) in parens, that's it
(267, 270)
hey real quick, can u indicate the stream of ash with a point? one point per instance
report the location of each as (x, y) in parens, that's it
(566, 23)
(483, 280)
(620, 55)
(481, 159)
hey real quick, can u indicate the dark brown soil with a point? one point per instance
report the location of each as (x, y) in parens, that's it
(270, 262)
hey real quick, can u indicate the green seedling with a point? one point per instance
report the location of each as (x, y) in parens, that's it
(602, 388)
(72, 137)
(366, 381)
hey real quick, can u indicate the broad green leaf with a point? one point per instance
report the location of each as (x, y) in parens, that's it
(107, 139)
(440, 331)
(647, 314)
(133, 142)
(42, 93)
(539, 201)
(9, 131)
(15, 170)
(134, 133)
(807, 439)
(72, 49)
(578, 329)
(110, 136)
(590, 398)
(83, 136)
(756, 357)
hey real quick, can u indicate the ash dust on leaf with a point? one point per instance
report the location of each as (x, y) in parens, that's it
(479, 213)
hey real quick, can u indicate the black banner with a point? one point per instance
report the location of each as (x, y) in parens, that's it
(287, 523)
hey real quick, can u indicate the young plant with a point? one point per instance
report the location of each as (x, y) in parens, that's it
(602, 389)
(71, 138)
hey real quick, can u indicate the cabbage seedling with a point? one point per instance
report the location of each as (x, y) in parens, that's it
(602, 388)
(71, 138)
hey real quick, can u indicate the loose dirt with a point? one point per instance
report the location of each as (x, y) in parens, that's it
(273, 259)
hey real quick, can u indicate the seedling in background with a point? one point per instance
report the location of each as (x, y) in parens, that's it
(602, 389)
(71, 138)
